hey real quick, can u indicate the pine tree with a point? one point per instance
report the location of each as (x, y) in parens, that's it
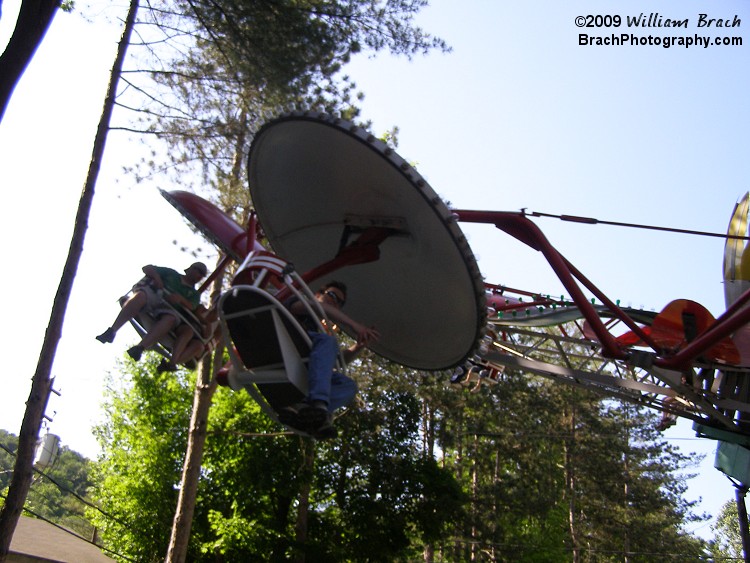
(559, 473)
(728, 539)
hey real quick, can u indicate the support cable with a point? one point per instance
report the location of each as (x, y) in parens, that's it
(593, 221)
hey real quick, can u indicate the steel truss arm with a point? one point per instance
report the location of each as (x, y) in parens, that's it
(577, 362)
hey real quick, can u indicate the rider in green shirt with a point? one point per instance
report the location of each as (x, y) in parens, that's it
(160, 288)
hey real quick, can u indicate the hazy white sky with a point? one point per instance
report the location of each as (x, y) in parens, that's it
(519, 115)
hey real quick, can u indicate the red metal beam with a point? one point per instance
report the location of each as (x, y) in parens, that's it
(520, 227)
(517, 225)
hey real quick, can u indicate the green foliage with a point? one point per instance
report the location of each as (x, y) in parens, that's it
(728, 538)
(252, 476)
(292, 44)
(143, 442)
(524, 470)
(57, 493)
(372, 485)
(628, 492)
(7, 457)
(378, 487)
(504, 444)
(233, 535)
(549, 469)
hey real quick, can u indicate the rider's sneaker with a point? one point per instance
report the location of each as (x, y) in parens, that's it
(135, 352)
(165, 365)
(289, 416)
(107, 337)
(313, 414)
(327, 431)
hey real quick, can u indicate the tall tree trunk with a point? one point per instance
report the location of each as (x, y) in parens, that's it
(570, 484)
(34, 19)
(303, 512)
(460, 530)
(626, 489)
(428, 554)
(183, 518)
(626, 539)
(474, 500)
(428, 423)
(493, 524)
(205, 387)
(40, 383)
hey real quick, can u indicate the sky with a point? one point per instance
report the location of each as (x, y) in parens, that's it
(519, 115)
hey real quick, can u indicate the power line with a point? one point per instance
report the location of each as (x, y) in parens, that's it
(592, 221)
(66, 489)
(76, 495)
(71, 532)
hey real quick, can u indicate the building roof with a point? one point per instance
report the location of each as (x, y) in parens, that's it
(39, 541)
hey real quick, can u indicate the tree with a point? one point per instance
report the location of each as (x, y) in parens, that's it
(143, 440)
(728, 539)
(205, 387)
(373, 484)
(34, 18)
(8, 447)
(257, 470)
(241, 58)
(556, 473)
(499, 487)
(629, 488)
(214, 34)
(254, 474)
(41, 381)
(376, 483)
(217, 68)
(326, 33)
(58, 492)
(505, 444)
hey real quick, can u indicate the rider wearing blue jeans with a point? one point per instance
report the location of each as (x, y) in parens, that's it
(328, 390)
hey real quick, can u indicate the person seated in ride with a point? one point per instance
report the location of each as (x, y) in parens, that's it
(189, 347)
(328, 390)
(669, 418)
(158, 293)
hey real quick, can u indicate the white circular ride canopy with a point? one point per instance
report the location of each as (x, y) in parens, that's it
(316, 180)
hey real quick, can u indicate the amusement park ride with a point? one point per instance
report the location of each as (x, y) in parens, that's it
(332, 200)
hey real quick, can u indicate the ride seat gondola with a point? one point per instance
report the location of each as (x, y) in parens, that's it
(268, 348)
(144, 320)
